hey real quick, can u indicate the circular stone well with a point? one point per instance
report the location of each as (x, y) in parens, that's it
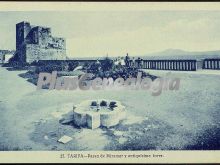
(96, 113)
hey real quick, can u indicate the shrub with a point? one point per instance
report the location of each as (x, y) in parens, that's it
(107, 64)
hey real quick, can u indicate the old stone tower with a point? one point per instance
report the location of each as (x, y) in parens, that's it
(34, 43)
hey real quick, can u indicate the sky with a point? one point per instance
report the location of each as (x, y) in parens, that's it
(91, 33)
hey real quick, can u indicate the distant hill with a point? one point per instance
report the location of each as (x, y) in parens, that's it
(181, 54)
(166, 54)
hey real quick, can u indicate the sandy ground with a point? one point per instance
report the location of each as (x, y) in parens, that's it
(175, 120)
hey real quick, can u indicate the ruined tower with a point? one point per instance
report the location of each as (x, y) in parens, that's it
(34, 43)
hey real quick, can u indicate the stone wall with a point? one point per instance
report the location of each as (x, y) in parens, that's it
(36, 53)
(34, 43)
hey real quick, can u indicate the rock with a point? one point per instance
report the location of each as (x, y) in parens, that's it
(139, 133)
(46, 137)
(54, 148)
(42, 121)
(65, 139)
(155, 126)
(27, 147)
(146, 129)
(52, 134)
(122, 140)
(118, 133)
